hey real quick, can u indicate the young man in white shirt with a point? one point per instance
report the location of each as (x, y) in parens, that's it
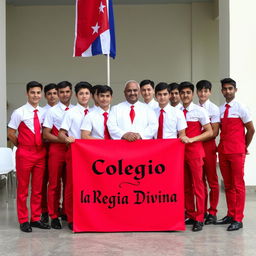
(172, 122)
(197, 120)
(57, 151)
(232, 149)
(69, 132)
(94, 125)
(30, 157)
(95, 96)
(132, 120)
(175, 96)
(210, 176)
(51, 95)
(147, 93)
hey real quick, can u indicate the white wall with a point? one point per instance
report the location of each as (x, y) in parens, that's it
(174, 42)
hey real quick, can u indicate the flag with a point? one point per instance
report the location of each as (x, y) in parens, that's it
(95, 32)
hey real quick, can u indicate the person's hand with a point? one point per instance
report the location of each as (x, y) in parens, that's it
(130, 136)
(69, 140)
(186, 139)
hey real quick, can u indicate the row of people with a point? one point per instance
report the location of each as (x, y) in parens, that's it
(196, 125)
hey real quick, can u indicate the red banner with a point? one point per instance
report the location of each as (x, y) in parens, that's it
(128, 186)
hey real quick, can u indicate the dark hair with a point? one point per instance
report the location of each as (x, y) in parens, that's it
(184, 85)
(162, 86)
(174, 86)
(228, 81)
(64, 84)
(49, 87)
(95, 88)
(144, 82)
(33, 84)
(83, 85)
(104, 89)
(203, 84)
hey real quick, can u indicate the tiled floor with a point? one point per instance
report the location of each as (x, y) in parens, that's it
(212, 241)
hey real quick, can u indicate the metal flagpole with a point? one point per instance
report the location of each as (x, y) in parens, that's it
(108, 69)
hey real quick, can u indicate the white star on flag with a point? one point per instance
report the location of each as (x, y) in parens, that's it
(102, 6)
(95, 28)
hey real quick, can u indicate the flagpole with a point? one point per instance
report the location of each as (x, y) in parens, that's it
(108, 69)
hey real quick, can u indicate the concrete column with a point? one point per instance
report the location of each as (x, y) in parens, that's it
(237, 37)
(3, 121)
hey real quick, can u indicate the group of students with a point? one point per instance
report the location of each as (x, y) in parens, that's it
(43, 137)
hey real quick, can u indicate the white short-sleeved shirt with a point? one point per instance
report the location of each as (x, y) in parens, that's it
(179, 106)
(174, 121)
(72, 121)
(196, 114)
(145, 122)
(55, 114)
(94, 122)
(236, 110)
(212, 110)
(153, 104)
(26, 114)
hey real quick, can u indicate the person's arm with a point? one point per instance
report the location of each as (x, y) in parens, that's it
(11, 133)
(215, 130)
(64, 138)
(48, 136)
(86, 135)
(249, 133)
(202, 137)
(182, 133)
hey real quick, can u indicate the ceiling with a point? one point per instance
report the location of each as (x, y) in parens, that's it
(70, 2)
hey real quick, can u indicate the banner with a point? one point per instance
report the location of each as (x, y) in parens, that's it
(128, 186)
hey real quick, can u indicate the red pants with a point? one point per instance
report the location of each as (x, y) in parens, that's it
(57, 173)
(232, 170)
(69, 188)
(30, 161)
(45, 186)
(210, 177)
(194, 189)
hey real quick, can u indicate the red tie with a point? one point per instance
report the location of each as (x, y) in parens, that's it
(185, 112)
(132, 113)
(226, 111)
(67, 108)
(161, 125)
(86, 111)
(106, 133)
(37, 128)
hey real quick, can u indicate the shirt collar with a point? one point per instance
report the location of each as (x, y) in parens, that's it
(231, 103)
(190, 107)
(30, 107)
(62, 106)
(101, 111)
(206, 104)
(129, 104)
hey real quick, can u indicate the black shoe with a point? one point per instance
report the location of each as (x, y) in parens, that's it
(210, 219)
(55, 223)
(25, 227)
(39, 224)
(198, 226)
(189, 221)
(225, 220)
(45, 217)
(235, 225)
(70, 225)
(64, 217)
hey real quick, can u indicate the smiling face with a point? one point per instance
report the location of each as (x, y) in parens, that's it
(34, 95)
(228, 91)
(203, 95)
(147, 92)
(131, 92)
(104, 100)
(186, 96)
(52, 97)
(65, 95)
(175, 97)
(83, 96)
